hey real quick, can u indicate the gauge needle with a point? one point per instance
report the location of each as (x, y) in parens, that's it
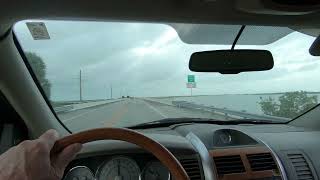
(119, 169)
(118, 177)
(154, 173)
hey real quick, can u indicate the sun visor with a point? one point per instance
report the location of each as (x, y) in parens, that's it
(225, 34)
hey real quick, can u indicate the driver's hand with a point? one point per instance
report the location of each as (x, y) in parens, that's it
(31, 160)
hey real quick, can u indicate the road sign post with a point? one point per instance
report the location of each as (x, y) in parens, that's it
(191, 83)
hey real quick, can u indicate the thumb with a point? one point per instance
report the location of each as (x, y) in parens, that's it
(62, 159)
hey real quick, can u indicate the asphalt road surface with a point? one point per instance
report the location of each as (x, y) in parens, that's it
(127, 113)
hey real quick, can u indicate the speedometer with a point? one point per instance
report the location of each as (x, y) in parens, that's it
(155, 171)
(79, 172)
(119, 168)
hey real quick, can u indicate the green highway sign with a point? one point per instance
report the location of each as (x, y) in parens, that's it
(191, 79)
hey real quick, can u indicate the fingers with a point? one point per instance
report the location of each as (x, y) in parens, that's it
(67, 155)
(49, 138)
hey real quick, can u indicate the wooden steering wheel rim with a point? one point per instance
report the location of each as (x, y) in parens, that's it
(155, 148)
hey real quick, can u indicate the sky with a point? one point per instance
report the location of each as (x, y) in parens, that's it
(148, 60)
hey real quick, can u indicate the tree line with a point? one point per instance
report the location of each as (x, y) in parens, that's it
(40, 70)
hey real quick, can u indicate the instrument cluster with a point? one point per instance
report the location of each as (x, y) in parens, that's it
(120, 168)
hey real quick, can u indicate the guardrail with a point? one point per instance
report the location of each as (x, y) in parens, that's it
(157, 101)
(84, 105)
(62, 109)
(226, 112)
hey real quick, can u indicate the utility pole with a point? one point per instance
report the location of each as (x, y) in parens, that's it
(111, 91)
(80, 88)
(107, 92)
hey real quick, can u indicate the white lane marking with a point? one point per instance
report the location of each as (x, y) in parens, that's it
(155, 109)
(79, 115)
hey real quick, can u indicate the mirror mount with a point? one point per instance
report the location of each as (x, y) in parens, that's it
(237, 37)
(229, 72)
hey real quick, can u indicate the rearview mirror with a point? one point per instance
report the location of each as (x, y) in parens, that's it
(231, 61)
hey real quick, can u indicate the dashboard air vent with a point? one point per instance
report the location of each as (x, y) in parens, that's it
(261, 162)
(192, 167)
(297, 2)
(301, 166)
(229, 164)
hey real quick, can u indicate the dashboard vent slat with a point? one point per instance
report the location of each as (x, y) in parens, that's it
(229, 164)
(192, 167)
(261, 162)
(301, 166)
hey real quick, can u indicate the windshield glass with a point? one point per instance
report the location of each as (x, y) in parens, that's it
(103, 74)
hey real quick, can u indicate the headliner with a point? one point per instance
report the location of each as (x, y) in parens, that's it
(167, 11)
(225, 34)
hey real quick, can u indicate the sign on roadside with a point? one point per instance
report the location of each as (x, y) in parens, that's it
(191, 85)
(191, 79)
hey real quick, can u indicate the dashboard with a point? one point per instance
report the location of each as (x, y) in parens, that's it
(206, 151)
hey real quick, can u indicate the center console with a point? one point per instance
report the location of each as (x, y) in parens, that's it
(235, 155)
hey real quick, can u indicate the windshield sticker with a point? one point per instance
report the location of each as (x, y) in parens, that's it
(38, 30)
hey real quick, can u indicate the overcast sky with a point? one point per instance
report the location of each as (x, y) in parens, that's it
(150, 60)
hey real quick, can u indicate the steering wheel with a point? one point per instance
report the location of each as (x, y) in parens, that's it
(155, 148)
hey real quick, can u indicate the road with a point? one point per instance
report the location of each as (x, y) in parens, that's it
(126, 113)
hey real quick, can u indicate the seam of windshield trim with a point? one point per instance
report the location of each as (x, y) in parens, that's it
(303, 113)
(6, 34)
(35, 79)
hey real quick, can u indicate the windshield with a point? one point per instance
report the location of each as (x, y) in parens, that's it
(103, 74)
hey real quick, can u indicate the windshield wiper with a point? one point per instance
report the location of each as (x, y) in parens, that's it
(172, 121)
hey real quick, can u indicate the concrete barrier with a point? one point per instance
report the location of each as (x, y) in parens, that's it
(78, 106)
(230, 114)
(62, 109)
(159, 101)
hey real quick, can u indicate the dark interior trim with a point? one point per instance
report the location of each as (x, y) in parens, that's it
(6, 34)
